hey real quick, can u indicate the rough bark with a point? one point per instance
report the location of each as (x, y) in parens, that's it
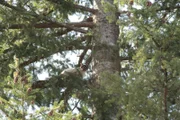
(105, 55)
(105, 52)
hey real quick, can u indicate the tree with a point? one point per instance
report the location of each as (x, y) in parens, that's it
(133, 54)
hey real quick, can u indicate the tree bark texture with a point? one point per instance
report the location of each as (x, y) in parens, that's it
(105, 51)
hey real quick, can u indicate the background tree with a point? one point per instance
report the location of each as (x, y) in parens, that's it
(132, 58)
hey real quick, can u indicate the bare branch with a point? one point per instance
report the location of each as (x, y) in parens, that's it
(88, 61)
(81, 57)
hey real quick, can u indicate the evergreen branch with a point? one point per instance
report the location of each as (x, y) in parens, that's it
(37, 58)
(65, 95)
(165, 91)
(169, 8)
(23, 11)
(160, 9)
(156, 43)
(67, 47)
(31, 60)
(51, 24)
(69, 26)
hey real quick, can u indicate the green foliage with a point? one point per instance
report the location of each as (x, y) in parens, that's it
(17, 94)
(109, 95)
(149, 80)
(150, 44)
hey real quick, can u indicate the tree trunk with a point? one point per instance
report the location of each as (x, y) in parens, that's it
(105, 51)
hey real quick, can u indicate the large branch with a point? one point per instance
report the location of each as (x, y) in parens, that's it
(69, 46)
(71, 26)
(38, 58)
(50, 24)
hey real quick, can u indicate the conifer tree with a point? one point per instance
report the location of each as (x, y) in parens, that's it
(131, 58)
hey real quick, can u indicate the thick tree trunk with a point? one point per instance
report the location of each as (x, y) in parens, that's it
(105, 51)
(105, 55)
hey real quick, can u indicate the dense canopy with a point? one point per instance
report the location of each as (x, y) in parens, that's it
(128, 49)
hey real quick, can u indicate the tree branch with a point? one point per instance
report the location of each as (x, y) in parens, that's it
(69, 26)
(37, 58)
(81, 57)
(88, 61)
(50, 24)
(32, 60)
(24, 11)
(67, 47)
(160, 9)
(72, 26)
